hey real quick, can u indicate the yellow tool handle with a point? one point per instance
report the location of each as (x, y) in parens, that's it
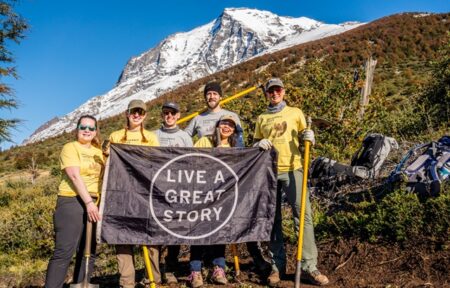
(224, 101)
(304, 192)
(236, 259)
(148, 266)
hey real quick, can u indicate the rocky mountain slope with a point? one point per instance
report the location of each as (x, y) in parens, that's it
(237, 35)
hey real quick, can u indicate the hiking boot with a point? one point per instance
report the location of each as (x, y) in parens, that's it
(273, 279)
(170, 278)
(218, 276)
(263, 267)
(145, 283)
(315, 277)
(196, 279)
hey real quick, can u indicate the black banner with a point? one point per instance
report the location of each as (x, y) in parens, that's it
(195, 196)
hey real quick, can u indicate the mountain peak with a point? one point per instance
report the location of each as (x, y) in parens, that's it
(237, 35)
(255, 17)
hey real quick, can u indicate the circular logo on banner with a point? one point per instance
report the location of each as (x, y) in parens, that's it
(191, 202)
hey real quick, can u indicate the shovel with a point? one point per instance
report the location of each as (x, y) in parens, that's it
(87, 255)
(298, 269)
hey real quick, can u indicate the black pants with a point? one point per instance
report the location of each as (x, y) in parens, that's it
(171, 260)
(70, 234)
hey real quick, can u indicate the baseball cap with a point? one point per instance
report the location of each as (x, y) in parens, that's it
(229, 117)
(137, 104)
(274, 82)
(171, 105)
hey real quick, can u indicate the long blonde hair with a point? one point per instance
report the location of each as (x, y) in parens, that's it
(124, 138)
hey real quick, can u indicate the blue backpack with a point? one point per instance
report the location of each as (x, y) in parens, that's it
(424, 168)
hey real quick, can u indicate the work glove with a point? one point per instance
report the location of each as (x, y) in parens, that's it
(308, 135)
(264, 144)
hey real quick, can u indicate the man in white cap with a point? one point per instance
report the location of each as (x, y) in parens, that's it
(283, 127)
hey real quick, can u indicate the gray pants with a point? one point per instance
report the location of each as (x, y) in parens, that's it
(291, 183)
(69, 223)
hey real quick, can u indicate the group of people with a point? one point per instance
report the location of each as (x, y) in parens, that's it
(280, 127)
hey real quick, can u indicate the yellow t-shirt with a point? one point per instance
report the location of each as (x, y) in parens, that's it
(205, 142)
(90, 160)
(134, 138)
(282, 129)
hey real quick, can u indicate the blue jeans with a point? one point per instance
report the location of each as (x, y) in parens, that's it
(290, 183)
(216, 252)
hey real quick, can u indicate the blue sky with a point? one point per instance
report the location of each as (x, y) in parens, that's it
(76, 49)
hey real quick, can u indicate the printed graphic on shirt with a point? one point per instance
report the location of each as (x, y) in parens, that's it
(277, 130)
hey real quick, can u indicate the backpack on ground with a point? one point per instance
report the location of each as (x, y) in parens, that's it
(327, 174)
(372, 154)
(424, 168)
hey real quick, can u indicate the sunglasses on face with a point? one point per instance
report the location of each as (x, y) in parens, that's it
(139, 111)
(275, 89)
(227, 123)
(173, 113)
(86, 127)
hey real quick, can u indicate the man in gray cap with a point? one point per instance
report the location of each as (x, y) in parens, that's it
(205, 123)
(170, 135)
(283, 128)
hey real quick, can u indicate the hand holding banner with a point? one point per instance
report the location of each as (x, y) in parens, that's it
(171, 196)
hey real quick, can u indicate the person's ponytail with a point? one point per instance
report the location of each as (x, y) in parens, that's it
(144, 139)
(124, 137)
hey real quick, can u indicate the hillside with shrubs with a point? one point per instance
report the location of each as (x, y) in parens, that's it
(383, 234)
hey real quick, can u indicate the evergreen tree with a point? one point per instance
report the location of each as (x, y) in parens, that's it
(12, 28)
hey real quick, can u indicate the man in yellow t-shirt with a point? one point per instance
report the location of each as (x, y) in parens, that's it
(280, 127)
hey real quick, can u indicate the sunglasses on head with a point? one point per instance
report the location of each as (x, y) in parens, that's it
(86, 127)
(275, 89)
(173, 113)
(139, 111)
(227, 123)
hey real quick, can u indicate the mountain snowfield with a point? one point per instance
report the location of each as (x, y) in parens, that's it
(237, 35)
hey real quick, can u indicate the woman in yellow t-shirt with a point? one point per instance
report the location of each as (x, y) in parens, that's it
(225, 136)
(135, 134)
(82, 162)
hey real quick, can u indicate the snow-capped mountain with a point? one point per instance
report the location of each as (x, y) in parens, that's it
(237, 35)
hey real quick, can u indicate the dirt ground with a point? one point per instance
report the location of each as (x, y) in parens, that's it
(353, 264)
(347, 264)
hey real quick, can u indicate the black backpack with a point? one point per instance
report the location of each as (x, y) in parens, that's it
(327, 174)
(373, 152)
(424, 168)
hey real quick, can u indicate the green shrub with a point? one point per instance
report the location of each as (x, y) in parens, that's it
(55, 171)
(398, 217)
(5, 198)
(26, 224)
(17, 184)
